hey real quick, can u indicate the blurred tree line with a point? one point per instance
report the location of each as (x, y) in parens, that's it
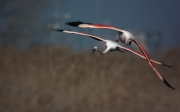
(23, 21)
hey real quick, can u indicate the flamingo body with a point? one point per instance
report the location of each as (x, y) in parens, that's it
(125, 37)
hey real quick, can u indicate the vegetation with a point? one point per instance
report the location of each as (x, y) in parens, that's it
(57, 79)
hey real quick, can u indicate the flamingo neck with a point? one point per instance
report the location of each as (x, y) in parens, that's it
(104, 52)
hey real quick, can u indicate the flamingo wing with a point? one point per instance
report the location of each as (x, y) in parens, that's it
(80, 33)
(142, 56)
(91, 25)
(149, 60)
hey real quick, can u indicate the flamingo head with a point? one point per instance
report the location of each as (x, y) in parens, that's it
(94, 49)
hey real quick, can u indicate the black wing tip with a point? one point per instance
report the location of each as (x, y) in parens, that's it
(74, 23)
(168, 84)
(167, 65)
(56, 29)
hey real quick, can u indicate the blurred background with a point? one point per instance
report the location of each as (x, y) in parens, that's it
(41, 70)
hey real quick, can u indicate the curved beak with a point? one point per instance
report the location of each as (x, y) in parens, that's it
(93, 50)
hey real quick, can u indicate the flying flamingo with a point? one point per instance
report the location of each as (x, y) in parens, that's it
(112, 46)
(124, 36)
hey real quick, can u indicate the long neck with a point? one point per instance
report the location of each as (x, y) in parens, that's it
(103, 53)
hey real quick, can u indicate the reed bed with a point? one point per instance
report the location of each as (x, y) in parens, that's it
(57, 79)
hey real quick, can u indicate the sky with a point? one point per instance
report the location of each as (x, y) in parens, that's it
(145, 19)
(131, 15)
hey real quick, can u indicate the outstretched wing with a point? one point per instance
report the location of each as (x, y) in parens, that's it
(76, 23)
(142, 56)
(158, 74)
(91, 25)
(80, 33)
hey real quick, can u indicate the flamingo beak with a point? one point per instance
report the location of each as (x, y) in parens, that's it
(93, 50)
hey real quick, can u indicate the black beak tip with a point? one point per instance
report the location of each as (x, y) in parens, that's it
(93, 51)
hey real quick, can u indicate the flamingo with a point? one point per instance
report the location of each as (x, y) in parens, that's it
(124, 36)
(112, 46)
